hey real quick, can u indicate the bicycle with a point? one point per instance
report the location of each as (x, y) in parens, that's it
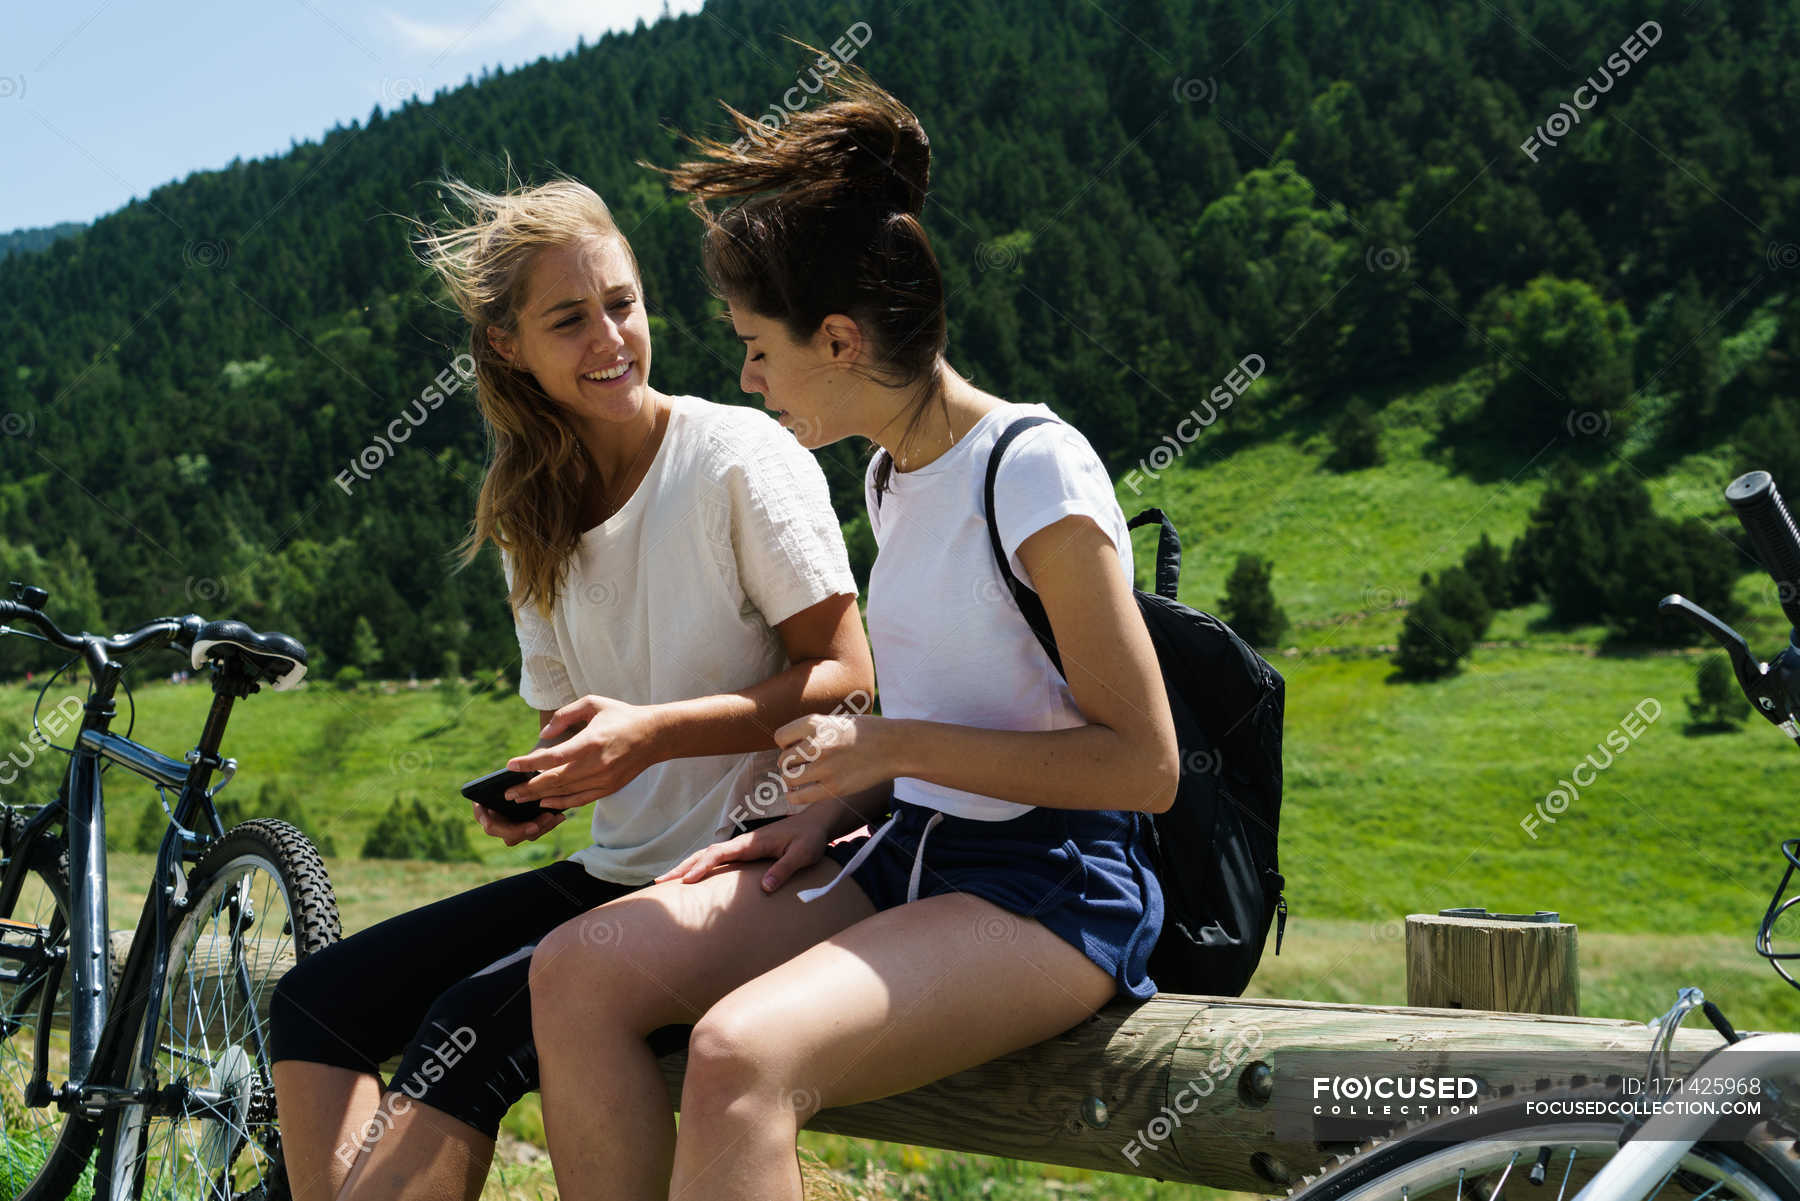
(161, 1057)
(1599, 1138)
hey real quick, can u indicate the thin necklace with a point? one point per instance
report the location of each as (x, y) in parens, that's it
(606, 490)
(901, 459)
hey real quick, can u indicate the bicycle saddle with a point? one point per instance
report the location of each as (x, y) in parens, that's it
(282, 657)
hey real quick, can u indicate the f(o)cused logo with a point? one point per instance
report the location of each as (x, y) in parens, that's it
(1588, 423)
(1193, 89)
(1380, 596)
(996, 256)
(206, 589)
(600, 932)
(1387, 258)
(1201, 763)
(997, 927)
(205, 253)
(411, 760)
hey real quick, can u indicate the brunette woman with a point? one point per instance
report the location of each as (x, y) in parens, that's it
(1005, 893)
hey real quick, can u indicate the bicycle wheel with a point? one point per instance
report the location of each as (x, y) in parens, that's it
(42, 1150)
(258, 902)
(1478, 1157)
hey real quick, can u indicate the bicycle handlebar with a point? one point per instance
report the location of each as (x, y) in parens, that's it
(1765, 518)
(176, 629)
(1773, 687)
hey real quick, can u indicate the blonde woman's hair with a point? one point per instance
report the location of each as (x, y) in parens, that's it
(537, 469)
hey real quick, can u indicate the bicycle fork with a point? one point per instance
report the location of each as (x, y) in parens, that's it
(88, 934)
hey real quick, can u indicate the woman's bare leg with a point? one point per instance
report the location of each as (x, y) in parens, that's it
(324, 1111)
(342, 1138)
(418, 1153)
(911, 995)
(602, 982)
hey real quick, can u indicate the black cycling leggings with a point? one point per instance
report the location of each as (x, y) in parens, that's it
(447, 984)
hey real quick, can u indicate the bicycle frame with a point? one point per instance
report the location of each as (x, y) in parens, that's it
(100, 1026)
(1657, 1148)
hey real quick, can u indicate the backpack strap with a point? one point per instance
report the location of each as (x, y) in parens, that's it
(1027, 600)
(1168, 551)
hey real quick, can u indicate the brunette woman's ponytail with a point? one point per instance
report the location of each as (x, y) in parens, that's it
(824, 218)
(862, 149)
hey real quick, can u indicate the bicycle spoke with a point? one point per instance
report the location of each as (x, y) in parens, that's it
(1664, 1182)
(1494, 1196)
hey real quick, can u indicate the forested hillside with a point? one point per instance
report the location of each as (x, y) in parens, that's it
(1129, 199)
(24, 241)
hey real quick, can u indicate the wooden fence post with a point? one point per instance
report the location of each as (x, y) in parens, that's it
(1505, 962)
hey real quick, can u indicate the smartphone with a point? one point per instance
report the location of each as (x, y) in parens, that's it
(490, 791)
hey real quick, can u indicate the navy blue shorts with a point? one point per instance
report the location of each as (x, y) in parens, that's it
(1085, 874)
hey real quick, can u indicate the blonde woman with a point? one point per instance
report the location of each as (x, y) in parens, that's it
(680, 590)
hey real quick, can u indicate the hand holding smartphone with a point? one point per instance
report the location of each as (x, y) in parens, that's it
(489, 791)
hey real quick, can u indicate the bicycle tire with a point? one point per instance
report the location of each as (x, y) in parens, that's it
(1496, 1148)
(27, 1172)
(208, 1037)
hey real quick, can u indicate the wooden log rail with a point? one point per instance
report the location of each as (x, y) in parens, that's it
(1087, 1098)
(1092, 1096)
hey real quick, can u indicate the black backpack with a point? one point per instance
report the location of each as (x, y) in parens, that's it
(1214, 848)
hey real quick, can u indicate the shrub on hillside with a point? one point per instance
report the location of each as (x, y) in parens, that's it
(1720, 701)
(1677, 356)
(1249, 605)
(1355, 438)
(1432, 642)
(1449, 618)
(1460, 597)
(1599, 553)
(1486, 565)
(1552, 340)
(411, 832)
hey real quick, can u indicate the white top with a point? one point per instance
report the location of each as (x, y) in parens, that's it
(730, 533)
(950, 643)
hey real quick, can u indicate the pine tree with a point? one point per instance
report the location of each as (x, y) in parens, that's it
(1249, 605)
(1355, 438)
(1678, 356)
(1720, 701)
(1487, 567)
(365, 652)
(1432, 642)
(1460, 598)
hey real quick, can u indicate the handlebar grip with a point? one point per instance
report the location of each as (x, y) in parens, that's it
(1757, 502)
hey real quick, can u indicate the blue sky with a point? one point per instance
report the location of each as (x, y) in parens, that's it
(102, 101)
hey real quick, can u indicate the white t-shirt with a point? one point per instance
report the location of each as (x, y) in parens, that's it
(730, 533)
(950, 643)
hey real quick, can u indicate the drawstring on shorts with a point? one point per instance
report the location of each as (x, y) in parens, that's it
(862, 853)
